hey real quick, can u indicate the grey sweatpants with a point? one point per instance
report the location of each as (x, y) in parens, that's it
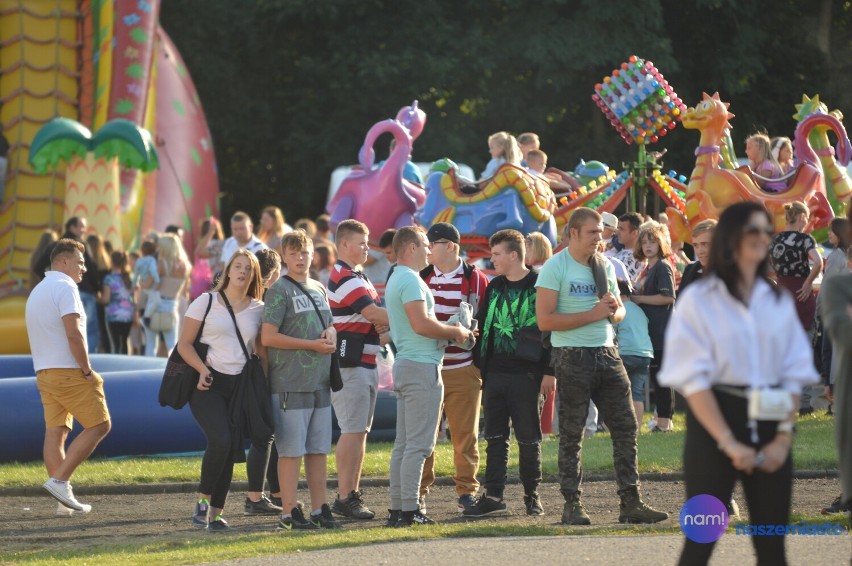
(419, 394)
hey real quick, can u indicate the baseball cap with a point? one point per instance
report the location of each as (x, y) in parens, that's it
(443, 231)
(610, 220)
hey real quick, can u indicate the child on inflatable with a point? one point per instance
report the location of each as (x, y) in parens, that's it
(504, 149)
(782, 151)
(763, 164)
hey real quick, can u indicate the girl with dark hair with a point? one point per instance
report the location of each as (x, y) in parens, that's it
(117, 296)
(732, 343)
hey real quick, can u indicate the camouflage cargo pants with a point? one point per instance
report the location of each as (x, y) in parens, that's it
(599, 375)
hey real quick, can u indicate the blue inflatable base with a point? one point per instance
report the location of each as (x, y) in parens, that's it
(140, 426)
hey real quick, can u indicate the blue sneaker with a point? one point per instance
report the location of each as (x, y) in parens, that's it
(199, 518)
(466, 501)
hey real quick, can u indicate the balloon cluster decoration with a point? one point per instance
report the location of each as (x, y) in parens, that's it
(638, 102)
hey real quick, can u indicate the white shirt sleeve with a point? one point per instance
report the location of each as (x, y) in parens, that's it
(197, 308)
(68, 301)
(688, 362)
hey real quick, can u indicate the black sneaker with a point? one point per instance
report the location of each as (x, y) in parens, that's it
(324, 520)
(276, 501)
(411, 518)
(296, 521)
(466, 501)
(262, 507)
(352, 507)
(486, 506)
(836, 507)
(219, 524)
(199, 517)
(533, 505)
(393, 517)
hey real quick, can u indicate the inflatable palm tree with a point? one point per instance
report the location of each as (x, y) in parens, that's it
(93, 161)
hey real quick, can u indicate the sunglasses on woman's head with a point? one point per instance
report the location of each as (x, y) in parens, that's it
(755, 229)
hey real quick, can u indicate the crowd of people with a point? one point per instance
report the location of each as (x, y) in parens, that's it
(593, 328)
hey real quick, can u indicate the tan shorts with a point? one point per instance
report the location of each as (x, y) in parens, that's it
(66, 395)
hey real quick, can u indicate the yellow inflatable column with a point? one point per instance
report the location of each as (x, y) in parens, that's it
(91, 190)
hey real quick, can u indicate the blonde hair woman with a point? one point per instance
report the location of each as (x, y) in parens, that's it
(174, 269)
(538, 249)
(503, 148)
(272, 227)
(791, 252)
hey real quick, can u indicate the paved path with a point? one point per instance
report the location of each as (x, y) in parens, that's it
(654, 550)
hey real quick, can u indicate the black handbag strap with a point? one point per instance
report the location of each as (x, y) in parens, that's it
(204, 320)
(236, 326)
(311, 299)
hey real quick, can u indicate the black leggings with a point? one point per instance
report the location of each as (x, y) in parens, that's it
(707, 470)
(262, 463)
(663, 396)
(118, 334)
(210, 409)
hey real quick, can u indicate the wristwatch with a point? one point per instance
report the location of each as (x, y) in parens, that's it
(87, 374)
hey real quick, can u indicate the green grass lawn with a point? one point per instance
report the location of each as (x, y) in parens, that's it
(813, 449)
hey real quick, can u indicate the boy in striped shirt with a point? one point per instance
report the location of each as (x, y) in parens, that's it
(452, 281)
(358, 320)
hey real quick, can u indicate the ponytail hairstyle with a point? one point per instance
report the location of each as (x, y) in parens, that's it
(793, 210)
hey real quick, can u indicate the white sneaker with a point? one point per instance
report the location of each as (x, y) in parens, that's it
(62, 492)
(63, 511)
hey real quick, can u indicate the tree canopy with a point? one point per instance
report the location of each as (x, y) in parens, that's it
(290, 87)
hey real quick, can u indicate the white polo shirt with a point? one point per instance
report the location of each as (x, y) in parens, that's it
(231, 246)
(53, 298)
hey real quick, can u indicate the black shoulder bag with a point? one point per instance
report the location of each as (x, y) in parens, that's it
(255, 410)
(180, 378)
(335, 379)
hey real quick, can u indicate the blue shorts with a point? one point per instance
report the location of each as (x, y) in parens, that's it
(637, 369)
(302, 423)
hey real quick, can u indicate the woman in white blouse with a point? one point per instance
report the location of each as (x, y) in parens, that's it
(735, 333)
(219, 375)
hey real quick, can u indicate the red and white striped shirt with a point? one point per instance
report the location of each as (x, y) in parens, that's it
(449, 290)
(349, 292)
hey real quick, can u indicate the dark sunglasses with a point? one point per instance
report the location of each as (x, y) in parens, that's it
(754, 230)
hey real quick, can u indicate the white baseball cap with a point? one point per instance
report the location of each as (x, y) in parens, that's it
(610, 220)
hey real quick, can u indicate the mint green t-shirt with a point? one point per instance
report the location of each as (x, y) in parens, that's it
(577, 293)
(405, 286)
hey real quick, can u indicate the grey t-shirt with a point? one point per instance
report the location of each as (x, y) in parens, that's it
(299, 371)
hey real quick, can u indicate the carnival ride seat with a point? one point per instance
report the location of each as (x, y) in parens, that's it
(789, 179)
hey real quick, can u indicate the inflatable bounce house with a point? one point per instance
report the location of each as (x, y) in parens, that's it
(72, 67)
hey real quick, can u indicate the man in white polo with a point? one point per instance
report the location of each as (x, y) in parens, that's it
(70, 388)
(242, 238)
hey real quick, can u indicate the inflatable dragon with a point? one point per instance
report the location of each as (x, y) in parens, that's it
(712, 188)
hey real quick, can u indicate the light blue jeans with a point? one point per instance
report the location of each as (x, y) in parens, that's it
(93, 335)
(152, 342)
(419, 394)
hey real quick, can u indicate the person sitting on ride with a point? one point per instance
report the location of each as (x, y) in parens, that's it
(782, 151)
(536, 162)
(504, 149)
(762, 164)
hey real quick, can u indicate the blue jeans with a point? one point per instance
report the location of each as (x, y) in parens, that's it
(90, 305)
(638, 370)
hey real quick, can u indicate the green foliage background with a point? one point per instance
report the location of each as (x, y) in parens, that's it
(290, 87)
